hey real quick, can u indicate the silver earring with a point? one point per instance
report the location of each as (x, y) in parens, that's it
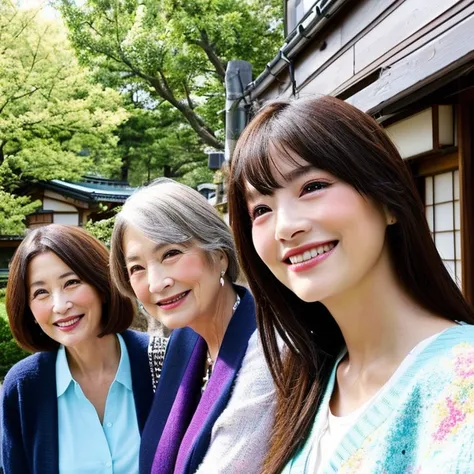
(221, 279)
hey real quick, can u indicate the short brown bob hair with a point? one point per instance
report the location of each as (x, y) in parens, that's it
(86, 257)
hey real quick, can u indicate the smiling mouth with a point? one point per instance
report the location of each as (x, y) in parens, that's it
(68, 322)
(311, 253)
(173, 299)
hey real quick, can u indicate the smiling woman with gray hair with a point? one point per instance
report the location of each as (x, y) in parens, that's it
(214, 403)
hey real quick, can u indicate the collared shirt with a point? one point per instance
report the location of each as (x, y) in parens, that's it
(86, 445)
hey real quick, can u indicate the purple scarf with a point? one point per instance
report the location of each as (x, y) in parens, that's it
(181, 413)
(184, 436)
(179, 433)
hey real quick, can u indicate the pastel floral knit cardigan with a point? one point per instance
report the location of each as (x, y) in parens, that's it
(424, 424)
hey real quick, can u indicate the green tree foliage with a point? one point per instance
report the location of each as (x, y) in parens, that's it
(10, 352)
(102, 229)
(159, 143)
(13, 210)
(54, 122)
(174, 50)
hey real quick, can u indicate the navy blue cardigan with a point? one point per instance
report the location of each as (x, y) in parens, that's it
(178, 355)
(29, 407)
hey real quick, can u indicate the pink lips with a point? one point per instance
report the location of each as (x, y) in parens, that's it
(70, 327)
(312, 262)
(163, 304)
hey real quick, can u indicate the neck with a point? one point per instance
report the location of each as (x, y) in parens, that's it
(213, 329)
(95, 356)
(379, 321)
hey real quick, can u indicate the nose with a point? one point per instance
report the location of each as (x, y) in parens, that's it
(60, 303)
(289, 223)
(158, 280)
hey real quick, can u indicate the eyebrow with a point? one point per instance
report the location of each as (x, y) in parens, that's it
(41, 282)
(288, 178)
(156, 248)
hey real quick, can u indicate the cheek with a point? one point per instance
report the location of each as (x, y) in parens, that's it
(263, 242)
(140, 288)
(191, 269)
(41, 311)
(85, 296)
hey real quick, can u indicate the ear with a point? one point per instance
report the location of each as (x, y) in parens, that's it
(389, 217)
(223, 261)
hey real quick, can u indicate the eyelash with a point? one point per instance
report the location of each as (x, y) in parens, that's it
(306, 189)
(170, 253)
(167, 254)
(134, 269)
(321, 185)
(38, 292)
(42, 291)
(255, 211)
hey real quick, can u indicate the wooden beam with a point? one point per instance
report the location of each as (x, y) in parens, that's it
(448, 52)
(443, 23)
(431, 164)
(466, 178)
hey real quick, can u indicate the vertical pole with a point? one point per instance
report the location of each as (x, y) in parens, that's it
(466, 178)
(237, 76)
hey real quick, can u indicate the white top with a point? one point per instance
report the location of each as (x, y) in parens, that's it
(335, 427)
(239, 440)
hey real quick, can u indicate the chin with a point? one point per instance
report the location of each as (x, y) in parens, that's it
(308, 295)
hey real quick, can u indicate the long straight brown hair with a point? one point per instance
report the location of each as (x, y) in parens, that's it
(336, 137)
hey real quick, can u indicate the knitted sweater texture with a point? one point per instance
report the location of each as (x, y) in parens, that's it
(423, 425)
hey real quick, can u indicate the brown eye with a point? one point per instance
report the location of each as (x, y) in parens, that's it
(313, 187)
(39, 292)
(73, 281)
(171, 253)
(259, 211)
(134, 269)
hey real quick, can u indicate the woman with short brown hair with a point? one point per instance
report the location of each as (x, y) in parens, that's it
(80, 402)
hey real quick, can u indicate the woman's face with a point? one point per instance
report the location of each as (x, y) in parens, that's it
(175, 283)
(316, 233)
(66, 308)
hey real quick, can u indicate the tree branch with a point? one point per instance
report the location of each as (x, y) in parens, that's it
(188, 95)
(205, 44)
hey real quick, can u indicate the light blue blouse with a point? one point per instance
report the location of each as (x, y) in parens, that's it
(85, 445)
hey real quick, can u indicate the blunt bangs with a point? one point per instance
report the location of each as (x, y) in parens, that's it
(323, 136)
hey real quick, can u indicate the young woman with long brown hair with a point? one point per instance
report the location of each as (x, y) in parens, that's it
(379, 372)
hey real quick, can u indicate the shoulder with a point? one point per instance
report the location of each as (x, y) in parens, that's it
(452, 351)
(247, 302)
(182, 337)
(31, 370)
(135, 339)
(254, 373)
(445, 369)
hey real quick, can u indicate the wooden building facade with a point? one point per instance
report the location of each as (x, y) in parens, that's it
(64, 202)
(410, 64)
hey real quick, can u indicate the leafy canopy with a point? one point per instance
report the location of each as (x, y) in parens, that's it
(54, 122)
(174, 50)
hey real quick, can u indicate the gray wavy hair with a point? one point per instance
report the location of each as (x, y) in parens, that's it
(170, 212)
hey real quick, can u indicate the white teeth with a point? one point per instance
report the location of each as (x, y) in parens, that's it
(180, 297)
(308, 254)
(68, 323)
